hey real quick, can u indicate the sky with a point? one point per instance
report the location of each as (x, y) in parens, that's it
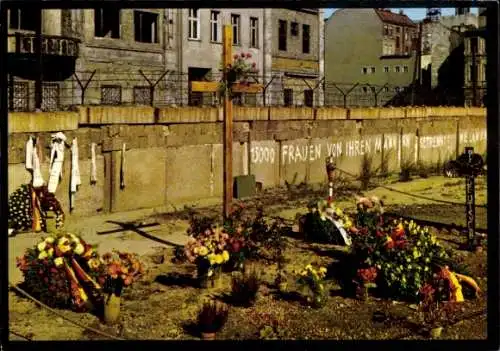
(414, 13)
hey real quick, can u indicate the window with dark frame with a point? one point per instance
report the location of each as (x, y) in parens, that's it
(405, 69)
(397, 69)
(365, 70)
(254, 32)
(235, 23)
(282, 35)
(146, 27)
(294, 29)
(142, 95)
(214, 26)
(306, 39)
(107, 23)
(309, 97)
(25, 19)
(288, 97)
(398, 44)
(386, 29)
(386, 69)
(372, 70)
(111, 94)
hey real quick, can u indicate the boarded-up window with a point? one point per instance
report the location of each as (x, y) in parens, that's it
(50, 97)
(111, 94)
(308, 97)
(142, 95)
(19, 96)
(288, 97)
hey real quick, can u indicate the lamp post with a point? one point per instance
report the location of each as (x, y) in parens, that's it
(330, 169)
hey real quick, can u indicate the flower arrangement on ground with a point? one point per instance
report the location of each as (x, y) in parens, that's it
(238, 72)
(312, 278)
(28, 207)
(60, 269)
(208, 251)
(324, 223)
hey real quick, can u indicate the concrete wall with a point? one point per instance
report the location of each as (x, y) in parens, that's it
(174, 155)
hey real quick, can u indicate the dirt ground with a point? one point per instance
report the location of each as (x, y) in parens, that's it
(165, 302)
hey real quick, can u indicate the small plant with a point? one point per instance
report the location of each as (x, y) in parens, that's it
(313, 280)
(366, 173)
(245, 287)
(212, 317)
(407, 168)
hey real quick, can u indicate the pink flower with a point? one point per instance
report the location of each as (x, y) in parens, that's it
(249, 55)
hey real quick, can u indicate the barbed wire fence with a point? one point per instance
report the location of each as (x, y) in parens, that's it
(170, 88)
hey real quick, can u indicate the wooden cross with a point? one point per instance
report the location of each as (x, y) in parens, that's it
(212, 87)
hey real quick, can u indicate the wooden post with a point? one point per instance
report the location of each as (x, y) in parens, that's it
(228, 124)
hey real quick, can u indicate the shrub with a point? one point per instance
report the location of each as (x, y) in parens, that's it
(245, 288)
(407, 168)
(212, 317)
(366, 173)
(313, 279)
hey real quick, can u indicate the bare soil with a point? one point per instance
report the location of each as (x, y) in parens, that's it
(164, 304)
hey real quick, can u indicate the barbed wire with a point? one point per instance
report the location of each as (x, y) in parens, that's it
(159, 88)
(78, 324)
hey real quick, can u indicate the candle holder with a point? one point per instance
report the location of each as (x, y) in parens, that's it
(330, 170)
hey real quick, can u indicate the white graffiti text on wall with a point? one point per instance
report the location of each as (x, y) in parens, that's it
(302, 153)
(262, 154)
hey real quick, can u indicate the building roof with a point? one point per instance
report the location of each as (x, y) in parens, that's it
(387, 16)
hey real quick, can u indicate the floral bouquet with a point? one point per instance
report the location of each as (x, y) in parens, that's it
(238, 72)
(28, 208)
(121, 270)
(319, 226)
(208, 251)
(313, 279)
(61, 269)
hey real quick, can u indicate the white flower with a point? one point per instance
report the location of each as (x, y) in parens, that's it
(63, 241)
(210, 272)
(49, 240)
(58, 261)
(42, 255)
(79, 249)
(41, 246)
(75, 238)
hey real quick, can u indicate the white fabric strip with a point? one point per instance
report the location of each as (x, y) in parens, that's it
(37, 171)
(29, 153)
(93, 170)
(75, 181)
(57, 160)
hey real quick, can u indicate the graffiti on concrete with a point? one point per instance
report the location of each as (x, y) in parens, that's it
(300, 153)
(262, 154)
(473, 136)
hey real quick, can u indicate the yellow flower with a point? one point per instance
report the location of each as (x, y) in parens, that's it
(303, 273)
(79, 249)
(321, 287)
(196, 250)
(348, 224)
(322, 270)
(203, 251)
(41, 246)
(74, 238)
(42, 255)
(225, 255)
(433, 239)
(211, 259)
(309, 267)
(50, 252)
(64, 248)
(219, 259)
(338, 212)
(49, 240)
(58, 261)
(93, 263)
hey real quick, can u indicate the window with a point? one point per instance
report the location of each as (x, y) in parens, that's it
(294, 29)
(306, 38)
(23, 19)
(398, 29)
(111, 94)
(107, 23)
(406, 36)
(386, 69)
(407, 50)
(386, 89)
(397, 89)
(282, 35)
(471, 73)
(288, 97)
(254, 32)
(397, 69)
(405, 69)
(214, 26)
(398, 44)
(308, 97)
(146, 27)
(235, 22)
(372, 70)
(365, 90)
(372, 89)
(386, 29)
(142, 95)
(194, 24)
(365, 70)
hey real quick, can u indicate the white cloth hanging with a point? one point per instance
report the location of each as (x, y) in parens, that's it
(75, 180)
(93, 169)
(37, 171)
(29, 153)
(56, 161)
(122, 168)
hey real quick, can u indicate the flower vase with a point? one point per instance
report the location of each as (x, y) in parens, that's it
(111, 309)
(202, 274)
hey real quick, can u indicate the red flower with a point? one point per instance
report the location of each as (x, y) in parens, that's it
(380, 234)
(367, 274)
(249, 55)
(389, 243)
